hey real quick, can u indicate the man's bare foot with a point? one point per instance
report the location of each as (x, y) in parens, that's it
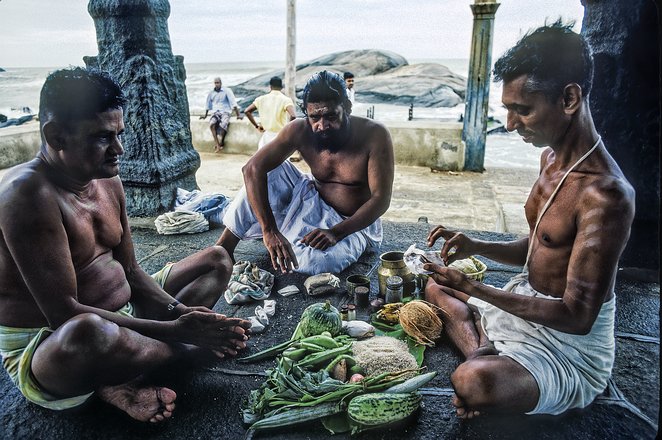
(461, 410)
(153, 404)
(218, 148)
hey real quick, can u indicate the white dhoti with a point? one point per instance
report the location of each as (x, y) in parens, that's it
(570, 370)
(298, 210)
(266, 137)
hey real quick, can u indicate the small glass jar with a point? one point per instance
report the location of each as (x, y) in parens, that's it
(344, 312)
(351, 312)
(393, 289)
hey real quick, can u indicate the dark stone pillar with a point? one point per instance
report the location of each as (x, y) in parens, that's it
(625, 102)
(134, 46)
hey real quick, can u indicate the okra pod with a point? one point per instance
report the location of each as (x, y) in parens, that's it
(322, 341)
(323, 356)
(267, 353)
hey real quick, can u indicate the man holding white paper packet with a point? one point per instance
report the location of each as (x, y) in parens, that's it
(545, 342)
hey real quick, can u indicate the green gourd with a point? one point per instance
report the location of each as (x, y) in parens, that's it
(318, 318)
(373, 410)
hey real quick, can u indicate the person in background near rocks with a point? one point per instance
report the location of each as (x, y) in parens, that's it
(349, 82)
(324, 222)
(545, 342)
(77, 313)
(275, 111)
(221, 102)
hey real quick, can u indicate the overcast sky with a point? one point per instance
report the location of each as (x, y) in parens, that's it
(55, 33)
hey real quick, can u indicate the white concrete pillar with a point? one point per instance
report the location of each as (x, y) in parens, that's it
(478, 84)
(290, 61)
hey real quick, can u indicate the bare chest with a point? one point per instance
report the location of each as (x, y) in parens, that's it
(557, 225)
(344, 167)
(93, 224)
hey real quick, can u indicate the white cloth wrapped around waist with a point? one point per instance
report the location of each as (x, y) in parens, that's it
(299, 209)
(570, 370)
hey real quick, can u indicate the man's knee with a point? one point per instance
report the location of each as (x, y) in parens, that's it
(87, 334)
(219, 260)
(454, 309)
(474, 381)
(312, 261)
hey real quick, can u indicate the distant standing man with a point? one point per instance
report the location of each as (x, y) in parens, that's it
(545, 342)
(349, 82)
(221, 102)
(77, 313)
(275, 111)
(321, 222)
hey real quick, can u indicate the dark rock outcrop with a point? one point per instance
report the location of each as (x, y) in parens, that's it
(625, 104)
(384, 77)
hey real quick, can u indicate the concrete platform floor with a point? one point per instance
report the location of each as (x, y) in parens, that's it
(209, 398)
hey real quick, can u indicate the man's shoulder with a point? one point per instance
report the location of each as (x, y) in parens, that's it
(23, 178)
(24, 189)
(369, 129)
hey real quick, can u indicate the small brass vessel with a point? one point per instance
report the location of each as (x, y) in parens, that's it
(393, 263)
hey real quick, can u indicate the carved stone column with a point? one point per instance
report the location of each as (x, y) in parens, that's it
(478, 85)
(134, 47)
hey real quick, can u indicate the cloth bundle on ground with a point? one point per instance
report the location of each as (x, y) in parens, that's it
(212, 205)
(181, 222)
(262, 314)
(321, 284)
(248, 283)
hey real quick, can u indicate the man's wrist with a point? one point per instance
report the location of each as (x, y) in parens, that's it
(171, 307)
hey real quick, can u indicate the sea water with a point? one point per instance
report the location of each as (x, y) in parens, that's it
(19, 88)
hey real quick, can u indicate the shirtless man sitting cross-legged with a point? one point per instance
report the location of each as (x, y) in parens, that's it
(545, 342)
(77, 313)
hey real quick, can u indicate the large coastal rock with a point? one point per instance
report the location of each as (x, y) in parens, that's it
(382, 77)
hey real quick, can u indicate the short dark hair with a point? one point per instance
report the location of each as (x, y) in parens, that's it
(552, 56)
(326, 86)
(347, 75)
(276, 82)
(78, 93)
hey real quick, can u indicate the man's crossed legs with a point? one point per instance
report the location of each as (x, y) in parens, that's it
(89, 353)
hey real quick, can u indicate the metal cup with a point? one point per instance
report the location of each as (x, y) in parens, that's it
(354, 281)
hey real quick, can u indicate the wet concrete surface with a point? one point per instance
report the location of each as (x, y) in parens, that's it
(209, 397)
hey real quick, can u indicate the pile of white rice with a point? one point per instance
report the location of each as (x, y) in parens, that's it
(383, 354)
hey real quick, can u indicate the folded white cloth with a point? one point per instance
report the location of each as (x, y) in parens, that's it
(181, 222)
(321, 283)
